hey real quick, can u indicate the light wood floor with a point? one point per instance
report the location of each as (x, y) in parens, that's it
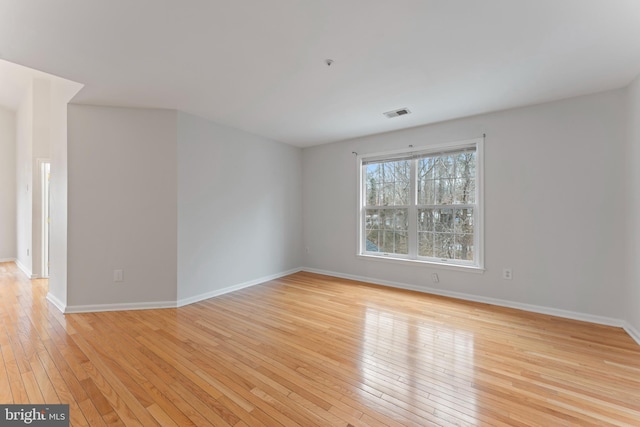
(311, 350)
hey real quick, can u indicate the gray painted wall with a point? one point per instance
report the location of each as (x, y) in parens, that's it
(555, 201)
(24, 184)
(184, 206)
(122, 205)
(7, 184)
(239, 207)
(632, 294)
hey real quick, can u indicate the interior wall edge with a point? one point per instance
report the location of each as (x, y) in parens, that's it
(237, 287)
(56, 302)
(24, 269)
(633, 332)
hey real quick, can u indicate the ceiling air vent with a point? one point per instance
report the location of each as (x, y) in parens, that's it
(396, 113)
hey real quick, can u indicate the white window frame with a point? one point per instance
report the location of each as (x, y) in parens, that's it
(478, 263)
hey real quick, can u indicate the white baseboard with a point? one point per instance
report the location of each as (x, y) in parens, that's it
(165, 304)
(601, 320)
(92, 308)
(24, 269)
(201, 297)
(633, 332)
(55, 301)
(7, 260)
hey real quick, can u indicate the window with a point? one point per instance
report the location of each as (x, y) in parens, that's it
(423, 205)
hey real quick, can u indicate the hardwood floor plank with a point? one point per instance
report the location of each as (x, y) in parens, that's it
(18, 390)
(66, 379)
(90, 414)
(314, 350)
(49, 394)
(5, 384)
(112, 387)
(162, 417)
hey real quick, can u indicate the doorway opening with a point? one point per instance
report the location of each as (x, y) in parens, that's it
(45, 176)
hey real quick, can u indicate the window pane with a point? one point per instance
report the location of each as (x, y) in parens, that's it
(425, 167)
(464, 247)
(463, 222)
(443, 220)
(393, 242)
(426, 189)
(444, 167)
(372, 240)
(443, 225)
(444, 191)
(465, 191)
(466, 165)
(387, 230)
(388, 196)
(426, 192)
(374, 184)
(446, 233)
(443, 245)
(425, 220)
(401, 217)
(388, 183)
(465, 178)
(387, 243)
(372, 219)
(447, 179)
(426, 244)
(401, 193)
(400, 243)
(388, 219)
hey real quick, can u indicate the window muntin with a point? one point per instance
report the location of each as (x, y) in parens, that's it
(423, 205)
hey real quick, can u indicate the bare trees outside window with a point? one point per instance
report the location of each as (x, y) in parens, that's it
(422, 205)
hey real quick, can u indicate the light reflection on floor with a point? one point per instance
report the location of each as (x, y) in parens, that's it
(395, 345)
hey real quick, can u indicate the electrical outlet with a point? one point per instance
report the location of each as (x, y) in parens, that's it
(118, 275)
(435, 278)
(507, 274)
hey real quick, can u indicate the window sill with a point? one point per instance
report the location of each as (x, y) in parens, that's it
(456, 267)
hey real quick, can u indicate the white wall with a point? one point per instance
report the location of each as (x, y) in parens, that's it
(239, 208)
(122, 206)
(555, 199)
(33, 126)
(7, 185)
(41, 142)
(24, 184)
(185, 207)
(61, 93)
(632, 294)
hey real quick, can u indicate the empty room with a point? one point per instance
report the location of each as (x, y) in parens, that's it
(320, 213)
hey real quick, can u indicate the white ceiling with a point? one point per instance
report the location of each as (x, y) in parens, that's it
(259, 65)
